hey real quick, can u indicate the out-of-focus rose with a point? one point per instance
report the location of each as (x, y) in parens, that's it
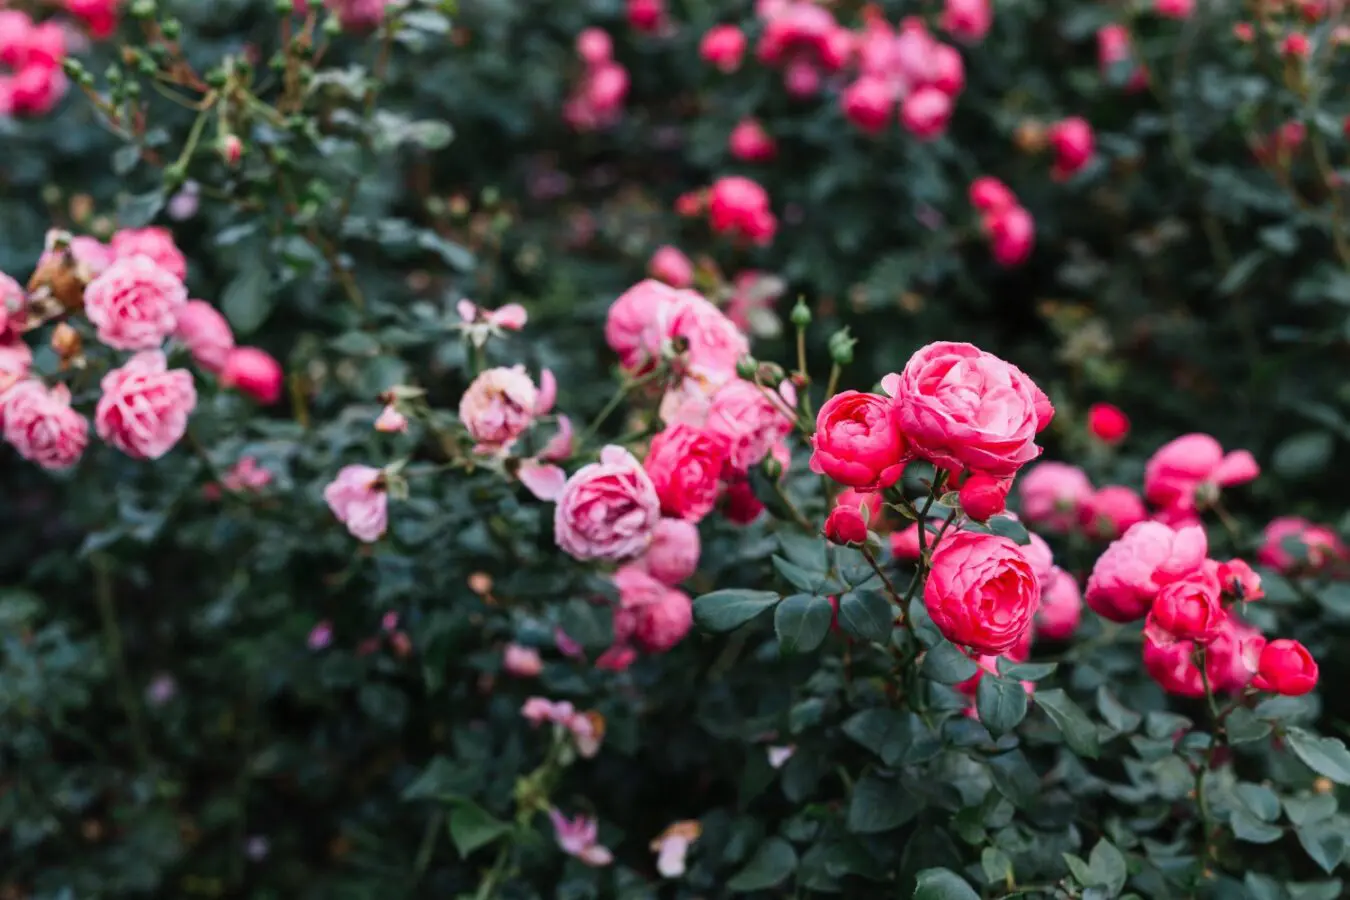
(723, 46)
(498, 406)
(1188, 472)
(1052, 494)
(750, 420)
(523, 662)
(669, 264)
(358, 500)
(41, 426)
(1239, 581)
(205, 333)
(1129, 574)
(685, 464)
(1108, 423)
(673, 554)
(1061, 606)
(134, 304)
(1111, 511)
(253, 372)
(154, 242)
(1290, 543)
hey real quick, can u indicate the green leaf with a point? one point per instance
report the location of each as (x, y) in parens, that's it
(879, 804)
(472, 827)
(1001, 703)
(247, 300)
(772, 864)
(942, 884)
(1310, 809)
(867, 614)
(1108, 867)
(730, 609)
(452, 254)
(139, 210)
(1243, 726)
(1024, 671)
(801, 622)
(878, 730)
(1010, 528)
(946, 664)
(1079, 732)
(1081, 871)
(1117, 715)
(1324, 755)
(1260, 800)
(1247, 827)
(440, 779)
(1014, 778)
(996, 865)
(812, 582)
(125, 159)
(589, 624)
(1324, 844)
(1303, 454)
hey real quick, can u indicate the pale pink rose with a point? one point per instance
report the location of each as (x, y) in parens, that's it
(538, 710)
(1052, 493)
(42, 427)
(1129, 574)
(479, 324)
(498, 406)
(1061, 606)
(391, 421)
(579, 837)
(154, 242)
(544, 480)
(751, 419)
(206, 334)
(13, 305)
(246, 475)
(962, 408)
(134, 304)
(358, 500)
(607, 509)
(670, 265)
(632, 316)
(674, 551)
(523, 662)
(714, 343)
(1111, 511)
(145, 406)
(16, 360)
(1188, 472)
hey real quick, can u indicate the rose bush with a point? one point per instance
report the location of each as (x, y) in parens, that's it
(653, 448)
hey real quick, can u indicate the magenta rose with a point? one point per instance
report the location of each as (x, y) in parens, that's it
(962, 408)
(145, 405)
(1150, 555)
(40, 424)
(607, 509)
(982, 592)
(134, 304)
(154, 242)
(358, 500)
(685, 465)
(205, 333)
(858, 441)
(1052, 494)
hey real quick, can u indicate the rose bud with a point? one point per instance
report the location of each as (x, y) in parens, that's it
(1107, 423)
(845, 525)
(1239, 581)
(1286, 667)
(253, 372)
(983, 496)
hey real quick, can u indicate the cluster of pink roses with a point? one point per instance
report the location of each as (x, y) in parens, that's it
(598, 97)
(132, 292)
(32, 53)
(911, 68)
(1007, 224)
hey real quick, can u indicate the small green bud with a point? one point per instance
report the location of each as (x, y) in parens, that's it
(72, 67)
(282, 157)
(174, 175)
(841, 347)
(216, 78)
(171, 28)
(85, 78)
(332, 27)
(146, 66)
(133, 88)
(801, 314)
(283, 7)
(770, 374)
(316, 4)
(772, 467)
(746, 366)
(113, 74)
(143, 9)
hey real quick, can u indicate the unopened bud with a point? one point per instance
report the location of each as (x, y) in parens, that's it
(231, 149)
(143, 9)
(171, 28)
(772, 467)
(841, 347)
(66, 341)
(801, 314)
(746, 366)
(332, 26)
(770, 374)
(283, 7)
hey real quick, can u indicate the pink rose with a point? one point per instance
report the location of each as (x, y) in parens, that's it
(858, 441)
(498, 406)
(846, 525)
(145, 405)
(1111, 511)
(1061, 606)
(1171, 665)
(594, 46)
(905, 543)
(205, 333)
(1040, 557)
(1187, 610)
(253, 372)
(967, 20)
(654, 615)
(740, 506)
(91, 257)
(1286, 667)
(1230, 660)
(134, 304)
(869, 103)
(358, 500)
(154, 242)
(1174, 9)
(988, 195)
(749, 142)
(984, 496)
(714, 343)
(740, 207)
(685, 465)
(1052, 493)
(607, 509)
(1012, 234)
(631, 316)
(16, 360)
(1073, 143)
(925, 113)
(1188, 472)
(670, 265)
(521, 661)
(41, 426)
(673, 554)
(1291, 542)
(99, 16)
(1239, 581)
(751, 420)
(962, 408)
(1129, 574)
(981, 592)
(723, 46)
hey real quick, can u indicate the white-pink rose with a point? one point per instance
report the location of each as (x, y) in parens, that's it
(40, 424)
(607, 509)
(145, 405)
(134, 304)
(358, 500)
(673, 554)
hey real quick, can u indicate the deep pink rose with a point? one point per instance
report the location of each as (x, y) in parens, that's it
(1239, 581)
(967, 20)
(869, 103)
(498, 406)
(740, 506)
(740, 207)
(1012, 235)
(858, 441)
(358, 500)
(751, 420)
(608, 509)
(1052, 493)
(1230, 660)
(134, 304)
(1286, 667)
(685, 464)
(1061, 606)
(1129, 574)
(1188, 472)
(723, 46)
(1111, 511)
(749, 142)
(925, 113)
(154, 242)
(1187, 610)
(652, 614)
(253, 372)
(40, 424)
(981, 592)
(1285, 536)
(205, 333)
(989, 195)
(905, 543)
(595, 46)
(1073, 143)
(984, 496)
(145, 406)
(673, 554)
(962, 408)
(846, 525)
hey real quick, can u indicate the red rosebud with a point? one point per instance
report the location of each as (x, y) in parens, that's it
(1286, 667)
(983, 496)
(1107, 423)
